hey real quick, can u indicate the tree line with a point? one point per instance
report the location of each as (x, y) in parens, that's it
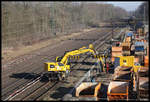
(24, 23)
(141, 12)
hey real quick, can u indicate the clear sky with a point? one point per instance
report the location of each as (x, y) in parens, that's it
(127, 5)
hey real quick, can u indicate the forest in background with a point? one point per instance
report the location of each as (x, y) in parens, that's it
(25, 23)
(142, 12)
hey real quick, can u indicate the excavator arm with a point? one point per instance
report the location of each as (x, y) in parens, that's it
(76, 52)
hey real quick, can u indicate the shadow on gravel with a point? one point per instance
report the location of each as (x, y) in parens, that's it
(84, 63)
(83, 39)
(24, 75)
(83, 69)
(29, 76)
(44, 79)
(103, 91)
(60, 92)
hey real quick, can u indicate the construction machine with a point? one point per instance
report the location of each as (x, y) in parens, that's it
(61, 68)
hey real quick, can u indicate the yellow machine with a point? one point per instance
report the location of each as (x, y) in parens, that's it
(129, 62)
(60, 69)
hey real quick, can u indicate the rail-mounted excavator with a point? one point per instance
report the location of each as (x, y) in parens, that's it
(61, 68)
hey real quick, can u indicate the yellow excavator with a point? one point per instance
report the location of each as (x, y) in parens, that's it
(60, 69)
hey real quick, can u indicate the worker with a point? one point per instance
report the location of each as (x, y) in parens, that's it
(107, 67)
(93, 79)
(99, 69)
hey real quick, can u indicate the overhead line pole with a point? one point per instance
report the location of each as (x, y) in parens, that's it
(112, 28)
(144, 15)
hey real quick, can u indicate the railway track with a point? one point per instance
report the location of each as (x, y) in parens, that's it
(35, 70)
(15, 93)
(43, 89)
(26, 65)
(39, 90)
(26, 62)
(22, 81)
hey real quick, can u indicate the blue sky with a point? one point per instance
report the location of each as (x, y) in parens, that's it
(128, 6)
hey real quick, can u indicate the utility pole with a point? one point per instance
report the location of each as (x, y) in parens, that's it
(112, 29)
(112, 24)
(144, 21)
(144, 15)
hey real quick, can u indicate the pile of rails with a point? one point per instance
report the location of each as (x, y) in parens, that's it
(143, 83)
(120, 87)
(132, 53)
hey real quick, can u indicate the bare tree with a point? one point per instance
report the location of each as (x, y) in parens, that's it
(35, 21)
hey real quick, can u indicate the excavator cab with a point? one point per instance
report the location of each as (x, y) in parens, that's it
(58, 58)
(56, 70)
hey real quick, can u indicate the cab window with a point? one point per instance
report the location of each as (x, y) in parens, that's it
(52, 66)
(60, 64)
